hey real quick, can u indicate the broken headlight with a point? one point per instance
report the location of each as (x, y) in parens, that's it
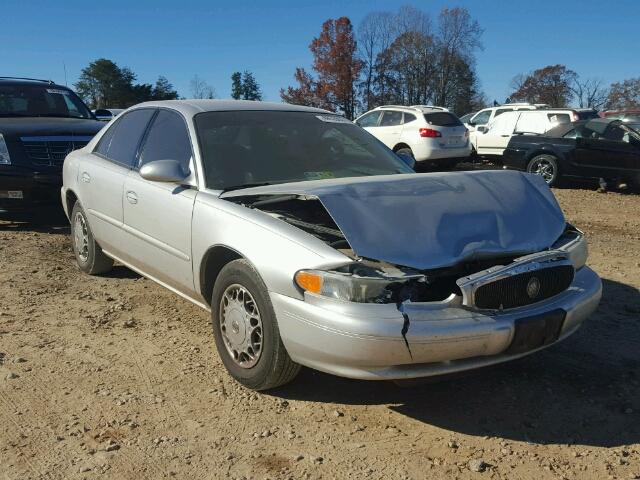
(574, 244)
(352, 287)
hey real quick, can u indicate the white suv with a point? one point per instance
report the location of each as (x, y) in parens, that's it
(424, 132)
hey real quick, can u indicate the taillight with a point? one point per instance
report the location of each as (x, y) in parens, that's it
(429, 133)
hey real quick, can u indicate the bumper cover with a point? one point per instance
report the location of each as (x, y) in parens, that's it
(365, 341)
(38, 189)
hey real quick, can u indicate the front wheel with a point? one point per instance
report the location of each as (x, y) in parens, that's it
(246, 330)
(547, 167)
(89, 255)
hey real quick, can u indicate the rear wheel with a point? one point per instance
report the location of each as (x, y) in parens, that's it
(546, 166)
(246, 330)
(405, 151)
(89, 255)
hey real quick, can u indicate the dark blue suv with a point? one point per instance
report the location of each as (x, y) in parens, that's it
(40, 123)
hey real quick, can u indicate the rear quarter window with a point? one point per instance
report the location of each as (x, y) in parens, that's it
(442, 119)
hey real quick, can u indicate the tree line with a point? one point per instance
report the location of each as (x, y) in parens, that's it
(104, 84)
(558, 86)
(404, 57)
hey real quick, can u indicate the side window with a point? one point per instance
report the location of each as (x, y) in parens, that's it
(369, 120)
(558, 118)
(168, 139)
(615, 134)
(532, 122)
(127, 132)
(105, 141)
(500, 111)
(482, 118)
(409, 117)
(571, 134)
(391, 119)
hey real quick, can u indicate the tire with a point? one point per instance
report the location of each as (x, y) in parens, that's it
(405, 151)
(89, 255)
(249, 344)
(546, 166)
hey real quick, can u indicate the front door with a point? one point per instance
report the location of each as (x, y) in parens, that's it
(157, 215)
(615, 154)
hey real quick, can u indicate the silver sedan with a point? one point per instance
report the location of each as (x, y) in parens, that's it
(313, 244)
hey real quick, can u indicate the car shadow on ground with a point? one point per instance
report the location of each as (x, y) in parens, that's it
(47, 220)
(584, 390)
(120, 271)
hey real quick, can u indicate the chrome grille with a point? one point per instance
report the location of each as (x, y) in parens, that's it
(524, 288)
(526, 280)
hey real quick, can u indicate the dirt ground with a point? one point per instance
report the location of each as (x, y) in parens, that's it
(115, 377)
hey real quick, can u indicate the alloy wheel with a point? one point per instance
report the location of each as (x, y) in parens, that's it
(81, 237)
(241, 325)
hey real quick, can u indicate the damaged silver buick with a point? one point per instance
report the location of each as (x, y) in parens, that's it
(313, 244)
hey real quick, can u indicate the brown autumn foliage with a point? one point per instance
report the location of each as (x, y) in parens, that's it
(337, 67)
(624, 95)
(550, 85)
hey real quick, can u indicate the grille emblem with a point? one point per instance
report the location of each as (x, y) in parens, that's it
(533, 287)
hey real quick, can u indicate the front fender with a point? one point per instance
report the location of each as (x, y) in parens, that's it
(277, 250)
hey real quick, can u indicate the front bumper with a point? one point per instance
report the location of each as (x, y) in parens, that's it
(36, 189)
(365, 341)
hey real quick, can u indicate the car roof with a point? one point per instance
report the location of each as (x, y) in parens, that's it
(412, 108)
(18, 81)
(194, 106)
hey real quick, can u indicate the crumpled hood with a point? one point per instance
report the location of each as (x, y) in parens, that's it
(436, 220)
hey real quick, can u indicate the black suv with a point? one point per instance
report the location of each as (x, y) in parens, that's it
(40, 123)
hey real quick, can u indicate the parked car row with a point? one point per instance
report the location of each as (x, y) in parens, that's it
(311, 243)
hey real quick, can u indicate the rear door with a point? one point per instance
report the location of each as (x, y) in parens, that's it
(157, 215)
(102, 176)
(496, 138)
(390, 128)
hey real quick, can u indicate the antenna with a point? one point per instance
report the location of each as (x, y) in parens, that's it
(65, 73)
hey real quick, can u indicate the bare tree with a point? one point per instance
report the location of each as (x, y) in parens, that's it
(375, 34)
(590, 93)
(458, 38)
(201, 89)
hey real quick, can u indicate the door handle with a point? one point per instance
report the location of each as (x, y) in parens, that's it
(132, 197)
(86, 178)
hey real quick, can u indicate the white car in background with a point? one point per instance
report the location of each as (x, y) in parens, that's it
(423, 132)
(491, 140)
(487, 115)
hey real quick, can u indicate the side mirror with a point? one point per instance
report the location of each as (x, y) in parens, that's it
(169, 171)
(482, 129)
(407, 159)
(471, 124)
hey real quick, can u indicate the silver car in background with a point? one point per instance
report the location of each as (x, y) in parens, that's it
(313, 244)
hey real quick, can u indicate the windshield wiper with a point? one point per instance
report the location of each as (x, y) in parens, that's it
(245, 185)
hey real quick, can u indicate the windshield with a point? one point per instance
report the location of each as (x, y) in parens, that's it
(257, 147)
(40, 101)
